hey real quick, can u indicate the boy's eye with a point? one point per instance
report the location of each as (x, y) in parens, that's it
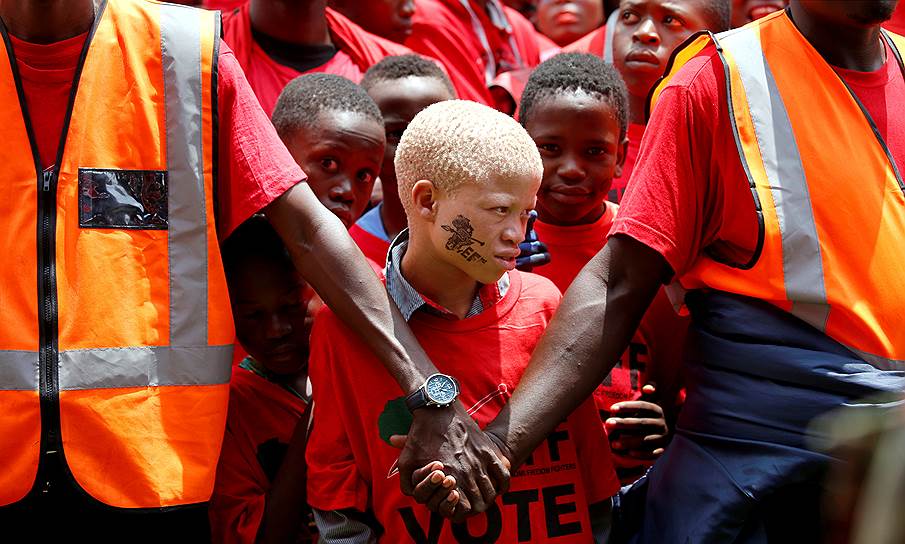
(329, 165)
(595, 151)
(548, 148)
(365, 176)
(501, 210)
(669, 20)
(629, 17)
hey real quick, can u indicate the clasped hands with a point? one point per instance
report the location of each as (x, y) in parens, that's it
(454, 468)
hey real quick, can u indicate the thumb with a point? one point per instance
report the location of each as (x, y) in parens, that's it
(398, 440)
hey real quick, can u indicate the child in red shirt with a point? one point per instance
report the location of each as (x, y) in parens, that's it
(268, 394)
(401, 86)
(467, 178)
(639, 39)
(335, 132)
(276, 42)
(574, 107)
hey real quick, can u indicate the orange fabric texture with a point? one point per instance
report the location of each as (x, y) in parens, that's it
(151, 445)
(861, 268)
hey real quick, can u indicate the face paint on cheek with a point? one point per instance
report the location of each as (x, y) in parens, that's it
(460, 240)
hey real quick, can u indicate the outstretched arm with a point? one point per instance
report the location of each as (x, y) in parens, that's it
(591, 329)
(330, 261)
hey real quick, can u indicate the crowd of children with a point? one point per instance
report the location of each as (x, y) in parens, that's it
(477, 221)
(457, 182)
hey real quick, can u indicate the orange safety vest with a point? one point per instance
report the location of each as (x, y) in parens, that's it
(115, 345)
(804, 139)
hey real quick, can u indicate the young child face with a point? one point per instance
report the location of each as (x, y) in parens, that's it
(341, 153)
(647, 32)
(399, 101)
(479, 227)
(564, 21)
(577, 135)
(270, 309)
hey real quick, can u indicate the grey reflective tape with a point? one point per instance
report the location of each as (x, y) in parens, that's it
(180, 45)
(609, 35)
(802, 262)
(881, 363)
(106, 368)
(18, 370)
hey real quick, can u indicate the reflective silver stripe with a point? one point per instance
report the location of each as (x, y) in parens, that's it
(881, 363)
(180, 45)
(802, 262)
(609, 35)
(18, 370)
(144, 366)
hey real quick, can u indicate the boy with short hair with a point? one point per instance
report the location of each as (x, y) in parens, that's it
(467, 179)
(335, 132)
(643, 35)
(269, 393)
(401, 86)
(575, 109)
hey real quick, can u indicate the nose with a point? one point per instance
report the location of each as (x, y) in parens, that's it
(514, 231)
(646, 32)
(341, 191)
(277, 326)
(570, 169)
(407, 9)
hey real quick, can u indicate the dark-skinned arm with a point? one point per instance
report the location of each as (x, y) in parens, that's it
(591, 329)
(286, 502)
(330, 262)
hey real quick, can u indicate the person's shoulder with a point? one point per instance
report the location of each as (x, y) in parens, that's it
(699, 71)
(434, 14)
(586, 43)
(536, 290)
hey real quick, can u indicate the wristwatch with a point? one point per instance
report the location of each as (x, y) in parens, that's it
(439, 391)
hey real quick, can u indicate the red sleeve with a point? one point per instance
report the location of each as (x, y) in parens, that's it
(237, 503)
(688, 190)
(593, 450)
(254, 166)
(334, 481)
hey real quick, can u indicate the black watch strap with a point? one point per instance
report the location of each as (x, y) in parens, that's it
(416, 399)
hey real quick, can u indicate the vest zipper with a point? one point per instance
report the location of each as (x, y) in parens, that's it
(47, 314)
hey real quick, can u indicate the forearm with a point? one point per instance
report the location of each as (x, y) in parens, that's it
(588, 334)
(330, 261)
(286, 501)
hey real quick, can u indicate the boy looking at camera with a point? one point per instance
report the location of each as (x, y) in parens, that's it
(467, 178)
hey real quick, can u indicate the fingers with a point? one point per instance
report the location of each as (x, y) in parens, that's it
(398, 440)
(636, 425)
(434, 489)
(537, 259)
(640, 407)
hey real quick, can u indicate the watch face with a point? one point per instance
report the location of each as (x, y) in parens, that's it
(441, 389)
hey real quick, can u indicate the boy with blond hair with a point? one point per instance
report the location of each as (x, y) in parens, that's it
(467, 178)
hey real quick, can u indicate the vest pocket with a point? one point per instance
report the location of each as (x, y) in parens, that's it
(123, 199)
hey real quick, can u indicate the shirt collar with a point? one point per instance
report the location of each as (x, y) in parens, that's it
(409, 300)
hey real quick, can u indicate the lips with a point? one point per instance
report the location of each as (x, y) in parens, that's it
(566, 18)
(643, 57)
(762, 11)
(506, 260)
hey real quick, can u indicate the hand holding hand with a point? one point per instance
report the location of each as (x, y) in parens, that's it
(637, 428)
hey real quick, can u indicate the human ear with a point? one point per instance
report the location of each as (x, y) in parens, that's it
(621, 154)
(424, 197)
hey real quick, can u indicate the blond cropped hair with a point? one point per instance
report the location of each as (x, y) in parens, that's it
(456, 142)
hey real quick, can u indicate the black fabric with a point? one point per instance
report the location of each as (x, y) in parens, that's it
(59, 510)
(296, 56)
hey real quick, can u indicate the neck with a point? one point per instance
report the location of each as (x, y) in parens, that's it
(47, 21)
(392, 215)
(301, 22)
(636, 107)
(845, 46)
(440, 282)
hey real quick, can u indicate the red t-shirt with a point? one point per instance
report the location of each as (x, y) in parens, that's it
(442, 29)
(255, 167)
(654, 353)
(688, 191)
(357, 50)
(593, 43)
(374, 248)
(222, 5)
(617, 190)
(261, 420)
(350, 465)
